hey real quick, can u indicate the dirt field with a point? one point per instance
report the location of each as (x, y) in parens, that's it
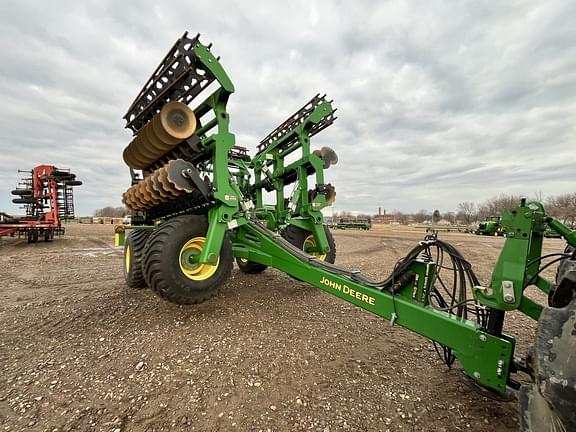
(79, 351)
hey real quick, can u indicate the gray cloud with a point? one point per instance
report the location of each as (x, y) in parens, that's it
(437, 103)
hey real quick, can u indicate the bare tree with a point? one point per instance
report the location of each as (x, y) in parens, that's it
(563, 207)
(110, 212)
(450, 217)
(421, 216)
(467, 212)
(496, 205)
(400, 217)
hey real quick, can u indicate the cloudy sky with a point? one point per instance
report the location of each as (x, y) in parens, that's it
(438, 102)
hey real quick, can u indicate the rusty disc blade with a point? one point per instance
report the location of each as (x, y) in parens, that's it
(150, 196)
(128, 159)
(330, 194)
(166, 184)
(158, 186)
(155, 142)
(329, 156)
(161, 134)
(131, 199)
(146, 196)
(134, 160)
(138, 198)
(178, 120)
(125, 201)
(144, 148)
(150, 188)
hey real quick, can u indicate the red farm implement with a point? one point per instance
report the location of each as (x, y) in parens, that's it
(46, 196)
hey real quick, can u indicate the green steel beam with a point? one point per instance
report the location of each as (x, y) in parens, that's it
(485, 357)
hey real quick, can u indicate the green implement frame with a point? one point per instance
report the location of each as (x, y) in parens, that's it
(184, 248)
(485, 353)
(302, 208)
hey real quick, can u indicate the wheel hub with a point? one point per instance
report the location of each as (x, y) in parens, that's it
(127, 259)
(310, 247)
(189, 265)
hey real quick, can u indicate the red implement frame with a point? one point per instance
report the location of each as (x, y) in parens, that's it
(51, 201)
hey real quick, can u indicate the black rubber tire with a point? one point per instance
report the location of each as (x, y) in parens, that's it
(549, 404)
(564, 288)
(22, 192)
(135, 245)
(59, 173)
(250, 267)
(297, 236)
(25, 200)
(32, 236)
(162, 262)
(48, 235)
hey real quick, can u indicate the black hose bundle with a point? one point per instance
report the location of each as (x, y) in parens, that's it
(452, 293)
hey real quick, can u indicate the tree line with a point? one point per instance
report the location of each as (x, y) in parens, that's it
(115, 212)
(562, 207)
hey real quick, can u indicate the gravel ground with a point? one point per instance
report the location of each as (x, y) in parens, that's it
(81, 352)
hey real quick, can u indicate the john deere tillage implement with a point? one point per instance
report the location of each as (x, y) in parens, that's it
(197, 203)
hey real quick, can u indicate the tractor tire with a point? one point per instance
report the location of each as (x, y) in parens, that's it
(301, 239)
(564, 289)
(22, 192)
(168, 268)
(48, 235)
(250, 267)
(25, 200)
(549, 404)
(32, 236)
(134, 247)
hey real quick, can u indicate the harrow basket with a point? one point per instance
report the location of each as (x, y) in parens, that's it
(180, 76)
(285, 129)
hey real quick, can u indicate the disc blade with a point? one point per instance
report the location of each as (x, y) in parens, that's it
(146, 196)
(166, 184)
(150, 188)
(159, 145)
(161, 134)
(329, 155)
(330, 194)
(178, 120)
(175, 170)
(158, 186)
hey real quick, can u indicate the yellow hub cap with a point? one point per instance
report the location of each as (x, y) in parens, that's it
(189, 264)
(127, 258)
(310, 247)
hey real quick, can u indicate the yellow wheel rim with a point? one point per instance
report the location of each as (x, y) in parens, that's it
(127, 258)
(243, 260)
(189, 264)
(311, 245)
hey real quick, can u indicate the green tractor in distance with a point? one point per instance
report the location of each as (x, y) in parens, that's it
(491, 226)
(346, 223)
